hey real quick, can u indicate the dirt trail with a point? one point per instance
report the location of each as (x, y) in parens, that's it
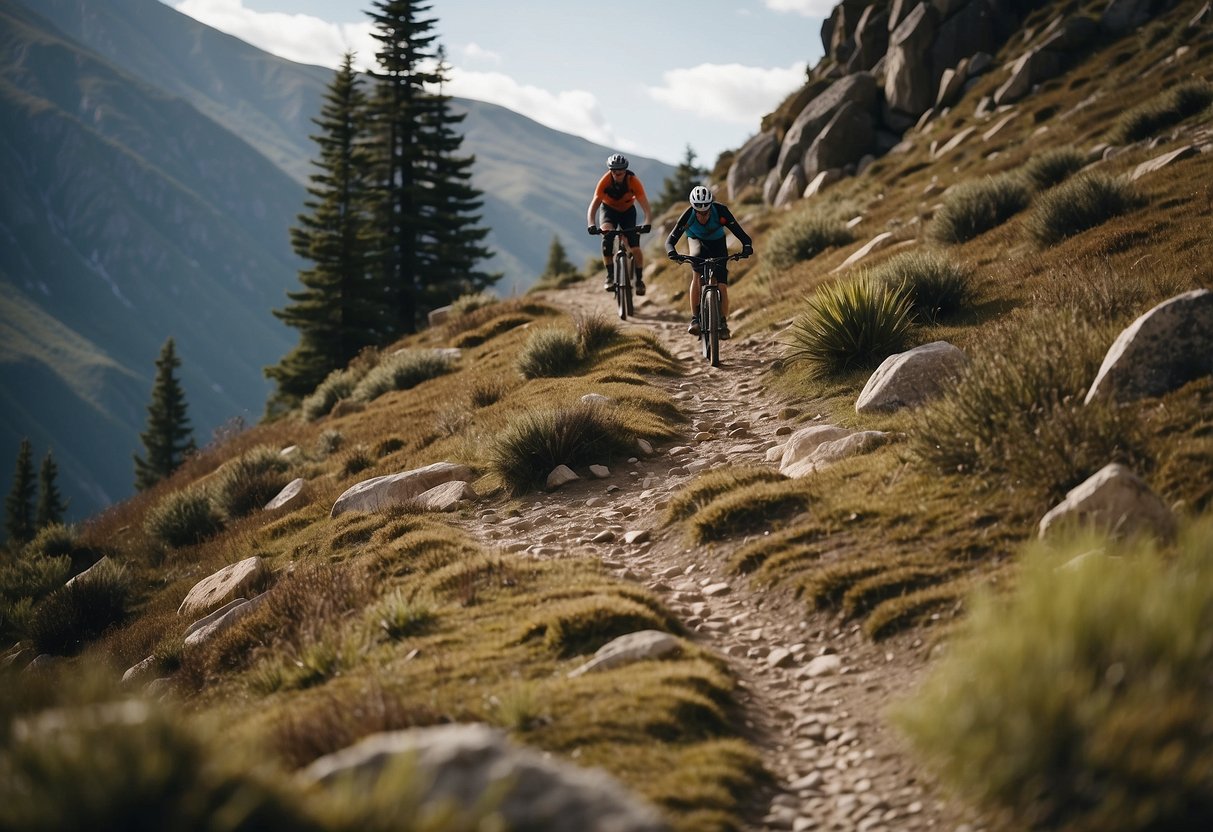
(818, 722)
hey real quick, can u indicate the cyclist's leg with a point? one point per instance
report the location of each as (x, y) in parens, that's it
(695, 249)
(608, 220)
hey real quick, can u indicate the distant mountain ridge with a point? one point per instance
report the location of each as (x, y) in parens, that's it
(152, 169)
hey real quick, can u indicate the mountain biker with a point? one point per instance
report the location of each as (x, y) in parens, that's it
(614, 206)
(704, 223)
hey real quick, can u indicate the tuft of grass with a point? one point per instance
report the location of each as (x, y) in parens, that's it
(937, 286)
(1052, 167)
(595, 331)
(851, 324)
(582, 625)
(68, 618)
(712, 484)
(184, 518)
(804, 235)
(490, 330)
(1081, 700)
(549, 352)
(399, 616)
(535, 442)
(487, 391)
(471, 302)
(749, 509)
(1080, 204)
(1162, 111)
(1016, 416)
(974, 207)
(247, 483)
(338, 385)
(402, 370)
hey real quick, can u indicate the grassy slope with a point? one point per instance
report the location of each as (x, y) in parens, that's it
(887, 540)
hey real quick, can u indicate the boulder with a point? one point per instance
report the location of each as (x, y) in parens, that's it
(910, 378)
(1161, 351)
(859, 88)
(909, 85)
(633, 647)
(292, 493)
(446, 497)
(471, 766)
(1114, 500)
(813, 448)
(242, 578)
(842, 141)
(561, 475)
(751, 162)
(382, 493)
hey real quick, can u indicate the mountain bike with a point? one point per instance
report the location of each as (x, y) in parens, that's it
(624, 266)
(711, 318)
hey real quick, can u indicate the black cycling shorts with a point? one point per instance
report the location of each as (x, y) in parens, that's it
(711, 248)
(619, 219)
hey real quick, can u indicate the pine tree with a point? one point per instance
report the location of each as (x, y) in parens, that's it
(558, 260)
(50, 504)
(18, 505)
(675, 188)
(450, 245)
(168, 438)
(427, 218)
(339, 310)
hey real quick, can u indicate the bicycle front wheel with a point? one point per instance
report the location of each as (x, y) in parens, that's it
(705, 322)
(713, 330)
(623, 286)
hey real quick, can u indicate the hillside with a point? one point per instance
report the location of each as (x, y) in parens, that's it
(834, 613)
(153, 169)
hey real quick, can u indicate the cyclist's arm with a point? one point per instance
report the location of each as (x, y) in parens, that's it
(591, 214)
(730, 222)
(676, 232)
(642, 198)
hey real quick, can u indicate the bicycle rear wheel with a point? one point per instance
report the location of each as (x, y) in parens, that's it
(713, 330)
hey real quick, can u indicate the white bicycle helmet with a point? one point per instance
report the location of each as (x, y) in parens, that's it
(701, 198)
(618, 162)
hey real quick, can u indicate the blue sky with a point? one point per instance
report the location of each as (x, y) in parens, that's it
(647, 78)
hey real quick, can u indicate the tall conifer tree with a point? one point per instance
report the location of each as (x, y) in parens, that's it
(427, 216)
(339, 310)
(19, 504)
(558, 260)
(50, 504)
(169, 437)
(676, 188)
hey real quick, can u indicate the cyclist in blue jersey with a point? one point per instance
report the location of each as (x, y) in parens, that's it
(704, 223)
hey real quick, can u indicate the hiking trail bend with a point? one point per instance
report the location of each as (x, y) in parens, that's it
(812, 688)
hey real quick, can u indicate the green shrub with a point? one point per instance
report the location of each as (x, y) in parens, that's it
(183, 518)
(535, 442)
(1017, 413)
(356, 460)
(550, 352)
(595, 332)
(1081, 701)
(337, 386)
(129, 765)
(803, 236)
(247, 483)
(53, 541)
(1053, 166)
(1079, 204)
(851, 324)
(1162, 111)
(972, 208)
(72, 615)
(33, 575)
(400, 371)
(329, 442)
(938, 287)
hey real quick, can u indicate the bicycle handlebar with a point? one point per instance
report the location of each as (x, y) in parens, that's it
(641, 229)
(702, 261)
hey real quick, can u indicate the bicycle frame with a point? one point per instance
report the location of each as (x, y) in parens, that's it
(624, 265)
(711, 318)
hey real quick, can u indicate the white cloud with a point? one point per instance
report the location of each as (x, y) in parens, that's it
(296, 37)
(808, 8)
(728, 92)
(570, 111)
(475, 53)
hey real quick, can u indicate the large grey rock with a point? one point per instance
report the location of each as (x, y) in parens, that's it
(1162, 350)
(792, 187)
(474, 766)
(1165, 160)
(843, 141)
(910, 378)
(871, 39)
(813, 448)
(633, 647)
(1116, 500)
(446, 497)
(214, 625)
(909, 85)
(242, 578)
(291, 493)
(751, 162)
(859, 88)
(381, 493)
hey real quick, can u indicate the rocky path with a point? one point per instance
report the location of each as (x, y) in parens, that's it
(813, 689)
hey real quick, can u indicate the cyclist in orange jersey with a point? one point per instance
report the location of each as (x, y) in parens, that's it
(614, 206)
